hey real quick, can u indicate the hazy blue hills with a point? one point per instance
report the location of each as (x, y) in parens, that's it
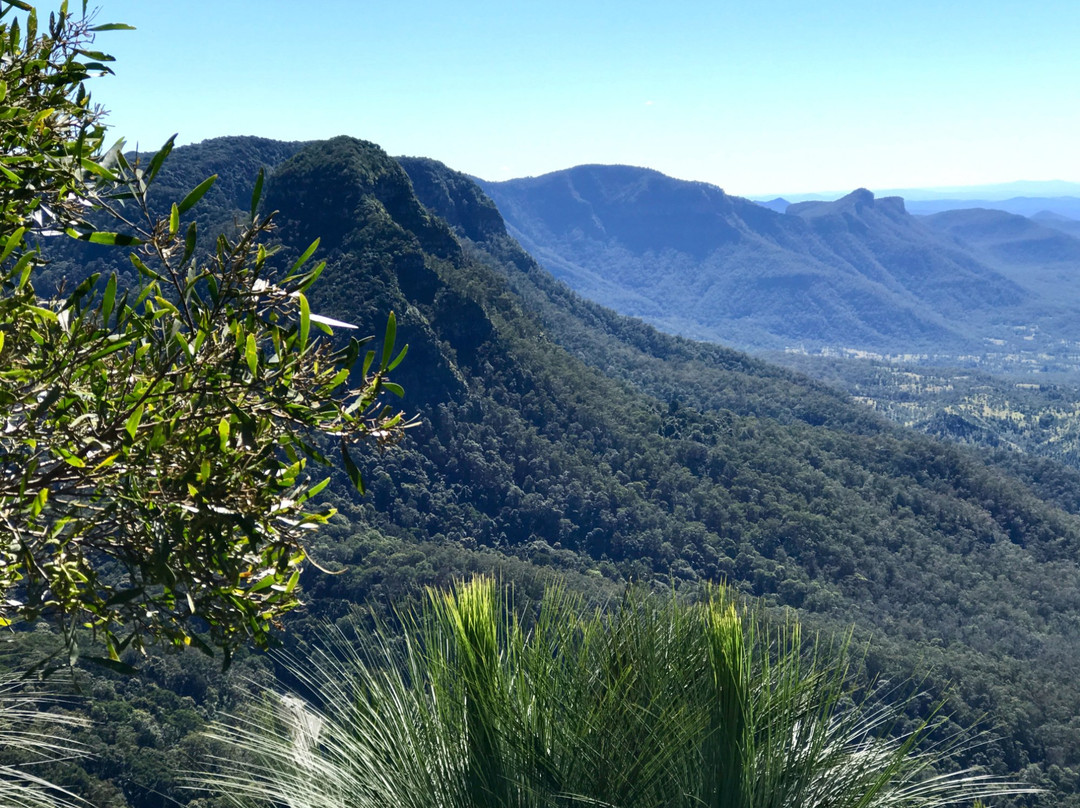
(1058, 222)
(1011, 240)
(856, 273)
(779, 204)
(1067, 206)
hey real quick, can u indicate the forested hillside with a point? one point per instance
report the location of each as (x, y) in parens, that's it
(557, 436)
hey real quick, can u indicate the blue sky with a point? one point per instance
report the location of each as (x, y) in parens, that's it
(756, 97)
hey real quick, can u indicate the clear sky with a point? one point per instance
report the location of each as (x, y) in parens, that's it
(754, 96)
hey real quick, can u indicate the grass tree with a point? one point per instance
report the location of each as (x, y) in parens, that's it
(31, 739)
(651, 703)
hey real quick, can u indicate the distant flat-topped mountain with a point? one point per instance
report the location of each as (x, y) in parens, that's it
(857, 273)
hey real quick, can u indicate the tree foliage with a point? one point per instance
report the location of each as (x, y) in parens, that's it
(155, 440)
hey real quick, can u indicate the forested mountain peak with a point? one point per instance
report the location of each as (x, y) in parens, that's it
(335, 189)
(638, 208)
(855, 274)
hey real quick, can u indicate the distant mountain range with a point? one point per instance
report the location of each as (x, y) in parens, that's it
(994, 191)
(859, 274)
(1066, 207)
(1024, 197)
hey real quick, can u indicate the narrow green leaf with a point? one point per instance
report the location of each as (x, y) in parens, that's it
(72, 459)
(396, 389)
(41, 117)
(339, 378)
(52, 395)
(252, 355)
(303, 258)
(174, 220)
(310, 277)
(83, 289)
(351, 469)
(97, 55)
(397, 360)
(45, 314)
(223, 433)
(201, 644)
(305, 322)
(190, 240)
(133, 421)
(39, 501)
(98, 169)
(158, 159)
(388, 341)
(263, 583)
(294, 579)
(112, 347)
(124, 596)
(108, 300)
(13, 241)
(22, 269)
(182, 341)
(316, 489)
(144, 269)
(104, 237)
(108, 461)
(197, 193)
(113, 26)
(113, 665)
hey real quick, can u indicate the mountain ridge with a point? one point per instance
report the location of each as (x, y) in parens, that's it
(858, 272)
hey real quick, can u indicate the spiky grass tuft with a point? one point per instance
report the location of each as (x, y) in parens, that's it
(652, 703)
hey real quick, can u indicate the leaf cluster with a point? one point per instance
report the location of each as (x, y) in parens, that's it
(155, 442)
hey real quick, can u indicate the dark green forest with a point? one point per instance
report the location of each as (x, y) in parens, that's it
(558, 438)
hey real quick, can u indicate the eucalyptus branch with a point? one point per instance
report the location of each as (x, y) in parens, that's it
(159, 428)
